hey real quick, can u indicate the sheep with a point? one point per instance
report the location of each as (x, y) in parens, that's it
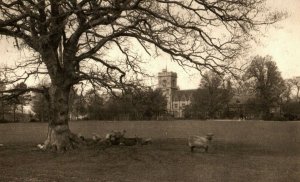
(79, 135)
(96, 137)
(114, 137)
(200, 141)
(41, 146)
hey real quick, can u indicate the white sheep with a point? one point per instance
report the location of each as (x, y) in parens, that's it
(96, 137)
(114, 137)
(41, 146)
(199, 141)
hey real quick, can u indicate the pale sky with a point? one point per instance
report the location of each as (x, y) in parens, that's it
(281, 42)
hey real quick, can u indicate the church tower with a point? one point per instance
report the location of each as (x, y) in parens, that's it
(167, 82)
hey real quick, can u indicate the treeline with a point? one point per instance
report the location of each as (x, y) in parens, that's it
(134, 104)
(12, 108)
(139, 104)
(259, 93)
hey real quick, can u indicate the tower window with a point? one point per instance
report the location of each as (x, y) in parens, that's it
(164, 83)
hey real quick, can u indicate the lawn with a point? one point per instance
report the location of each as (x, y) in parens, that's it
(240, 151)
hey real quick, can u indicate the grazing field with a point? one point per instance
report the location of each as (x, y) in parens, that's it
(241, 151)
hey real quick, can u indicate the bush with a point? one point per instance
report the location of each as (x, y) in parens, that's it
(4, 121)
(33, 120)
(291, 111)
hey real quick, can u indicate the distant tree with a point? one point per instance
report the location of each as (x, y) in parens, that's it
(291, 110)
(95, 105)
(265, 79)
(137, 104)
(212, 97)
(40, 102)
(199, 105)
(73, 41)
(120, 108)
(17, 99)
(24, 98)
(287, 94)
(40, 106)
(296, 86)
(2, 102)
(290, 100)
(78, 105)
(150, 103)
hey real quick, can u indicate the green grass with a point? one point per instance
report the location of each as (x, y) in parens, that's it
(241, 151)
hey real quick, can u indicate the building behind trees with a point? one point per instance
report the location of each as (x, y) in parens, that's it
(260, 94)
(204, 102)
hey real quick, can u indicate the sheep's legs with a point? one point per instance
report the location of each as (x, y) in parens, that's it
(206, 149)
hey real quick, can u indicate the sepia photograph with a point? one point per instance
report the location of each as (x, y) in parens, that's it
(149, 90)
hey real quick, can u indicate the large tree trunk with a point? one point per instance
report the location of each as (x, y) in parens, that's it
(59, 136)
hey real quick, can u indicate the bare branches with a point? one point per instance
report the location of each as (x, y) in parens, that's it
(69, 34)
(15, 93)
(110, 67)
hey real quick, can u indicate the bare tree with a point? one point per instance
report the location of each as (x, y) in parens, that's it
(78, 40)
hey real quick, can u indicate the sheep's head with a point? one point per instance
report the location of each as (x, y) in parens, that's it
(209, 136)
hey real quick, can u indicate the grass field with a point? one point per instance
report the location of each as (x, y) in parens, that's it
(241, 151)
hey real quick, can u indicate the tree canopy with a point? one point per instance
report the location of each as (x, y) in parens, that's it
(266, 82)
(212, 97)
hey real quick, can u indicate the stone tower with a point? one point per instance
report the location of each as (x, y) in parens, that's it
(167, 82)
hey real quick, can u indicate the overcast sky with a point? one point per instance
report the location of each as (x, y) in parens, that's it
(281, 42)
